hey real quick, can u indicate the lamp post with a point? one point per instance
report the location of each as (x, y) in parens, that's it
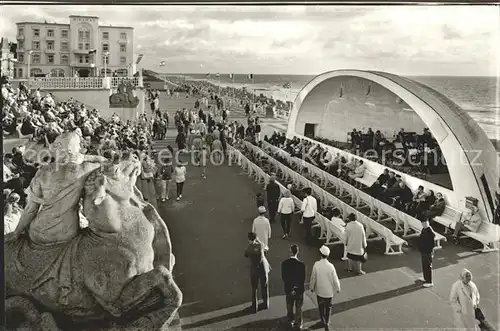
(106, 56)
(29, 63)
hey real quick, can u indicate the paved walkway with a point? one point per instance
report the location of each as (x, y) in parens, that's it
(209, 227)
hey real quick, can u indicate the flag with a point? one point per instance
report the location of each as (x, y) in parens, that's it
(94, 51)
(162, 63)
(250, 76)
(231, 76)
(217, 75)
(287, 85)
(139, 58)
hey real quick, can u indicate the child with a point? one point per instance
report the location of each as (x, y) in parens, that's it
(260, 200)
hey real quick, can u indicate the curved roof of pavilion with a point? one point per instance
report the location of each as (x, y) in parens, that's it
(452, 127)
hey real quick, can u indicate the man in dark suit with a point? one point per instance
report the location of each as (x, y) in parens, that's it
(426, 248)
(293, 273)
(273, 193)
(259, 270)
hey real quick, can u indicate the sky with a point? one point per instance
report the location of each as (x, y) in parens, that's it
(406, 40)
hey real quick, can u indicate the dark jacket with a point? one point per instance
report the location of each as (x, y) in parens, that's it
(255, 254)
(438, 207)
(426, 241)
(273, 192)
(293, 274)
(382, 179)
(391, 181)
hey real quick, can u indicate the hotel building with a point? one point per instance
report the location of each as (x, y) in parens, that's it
(63, 50)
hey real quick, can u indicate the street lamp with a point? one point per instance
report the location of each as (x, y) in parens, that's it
(106, 56)
(29, 63)
(139, 58)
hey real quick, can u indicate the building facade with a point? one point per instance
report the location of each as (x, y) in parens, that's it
(8, 59)
(81, 47)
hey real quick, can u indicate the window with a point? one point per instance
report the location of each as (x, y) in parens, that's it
(105, 35)
(20, 32)
(20, 72)
(80, 35)
(87, 46)
(57, 72)
(50, 33)
(35, 45)
(35, 71)
(64, 59)
(36, 32)
(123, 60)
(123, 48)
(64, 33)
(83, 35)
(87, 35)
(64, 45)
(50, 44)
(83, 59)
(20, 44)
(123, 35)
(105, 59)
(20, 58)
(122, 72)
(35, 58)
(80, 46)
(50, 59)
(105, 47)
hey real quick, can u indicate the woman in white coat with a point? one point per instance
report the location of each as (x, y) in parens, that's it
(355, 244)
(464, 299)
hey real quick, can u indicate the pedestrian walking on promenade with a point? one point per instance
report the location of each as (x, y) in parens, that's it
(259, 270)
(355, 238)
(273, 194)
(286, 207)
(309, 208)
(293, 274)
(426, 248)
(180, 178)
(262, 228)
(324, 283)
(464, 300)
(163, 178)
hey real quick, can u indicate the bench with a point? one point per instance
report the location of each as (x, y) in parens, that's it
(336, 230)
(416, 225)
(449, 218)
(488, 234)
(393, 244)
(368, 178)
(391, 213)
(364, 200)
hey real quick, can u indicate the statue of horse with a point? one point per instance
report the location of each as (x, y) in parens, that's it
(116, 272)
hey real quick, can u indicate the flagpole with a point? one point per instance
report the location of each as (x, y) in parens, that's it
(290, 99)
(253, 94)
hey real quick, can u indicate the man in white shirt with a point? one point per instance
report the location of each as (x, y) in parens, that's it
(325, 283)
(262, 228)
(309, 209)
(359, 171)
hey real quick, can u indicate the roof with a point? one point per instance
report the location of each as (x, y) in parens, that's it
(83, 16)
(41, 23)
(115, 27)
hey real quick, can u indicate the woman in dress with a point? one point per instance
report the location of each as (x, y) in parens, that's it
(180, 178)
(355, 244)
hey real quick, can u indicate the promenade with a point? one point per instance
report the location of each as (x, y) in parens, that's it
(209, 227)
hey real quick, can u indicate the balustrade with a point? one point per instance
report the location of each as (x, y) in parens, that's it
(54, 83)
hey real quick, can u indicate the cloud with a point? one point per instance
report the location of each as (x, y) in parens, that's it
(297, 39)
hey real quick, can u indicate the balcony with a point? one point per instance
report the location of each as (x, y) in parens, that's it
(82, 65)
(53, 37)
(20, 37)
(123, 41)
(50, 51)
(80, 51)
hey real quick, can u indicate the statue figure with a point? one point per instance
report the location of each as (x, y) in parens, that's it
(124, 97)
(115, 273)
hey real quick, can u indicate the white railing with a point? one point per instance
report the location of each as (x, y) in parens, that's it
(135, 81)
(53, 83)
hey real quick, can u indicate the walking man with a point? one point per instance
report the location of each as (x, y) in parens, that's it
(325, 283)
(273, 197)
(426, 248)
(309, 209)
(293, 274)
(262, 228)
(259, 270)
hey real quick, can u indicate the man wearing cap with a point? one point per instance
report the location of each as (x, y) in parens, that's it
(262, 228)
(273, 197)
(325, 283)
(259, 270)
(293, 274)
(426, 247)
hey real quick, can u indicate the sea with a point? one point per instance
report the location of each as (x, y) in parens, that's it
(479, 96)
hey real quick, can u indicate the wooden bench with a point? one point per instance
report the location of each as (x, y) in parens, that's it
(368, 178)
(487, 234)
(393, 244)
(416, 225)
(449, 218)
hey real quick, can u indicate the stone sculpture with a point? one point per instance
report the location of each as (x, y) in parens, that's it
(115, 274)
(124, 97)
